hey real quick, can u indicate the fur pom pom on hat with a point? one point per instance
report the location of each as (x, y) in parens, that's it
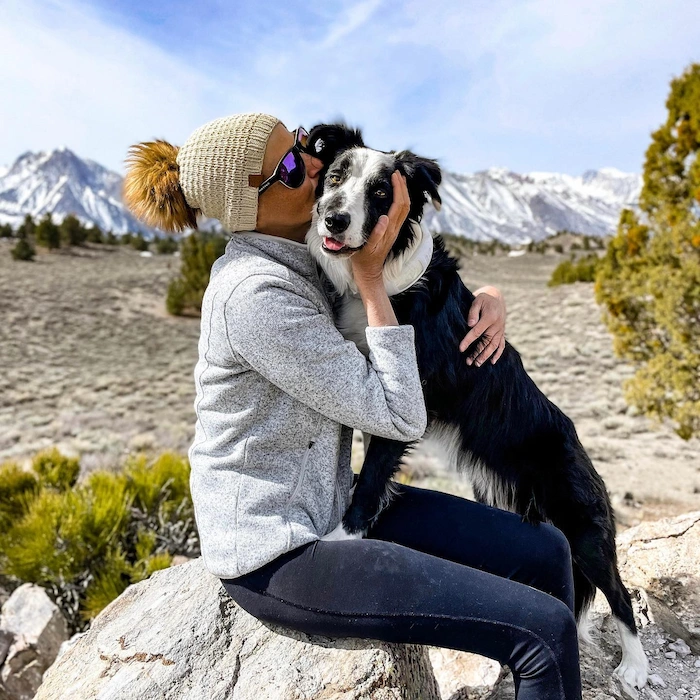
(168, 187)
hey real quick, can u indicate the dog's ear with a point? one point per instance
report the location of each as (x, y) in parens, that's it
(423, 177)
(326, 141)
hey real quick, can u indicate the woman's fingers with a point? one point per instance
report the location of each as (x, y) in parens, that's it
(476, 332)
(473, 317)
(403, 193)
(398, 211)
(486, 352)
(481, 346)
(487, 318)
(401, 202)
(369, 260)
(499, 352)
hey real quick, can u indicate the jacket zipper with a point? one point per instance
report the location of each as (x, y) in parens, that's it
(338, 495)
(302, 471)
(337, 479)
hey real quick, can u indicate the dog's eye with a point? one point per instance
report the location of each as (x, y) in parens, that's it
(334, 179)
(380, 193)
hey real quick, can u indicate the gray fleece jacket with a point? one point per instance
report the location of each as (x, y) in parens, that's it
(279, 391)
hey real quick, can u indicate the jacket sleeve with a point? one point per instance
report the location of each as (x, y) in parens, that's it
(286, 338)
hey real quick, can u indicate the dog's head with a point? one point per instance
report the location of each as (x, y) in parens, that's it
(355, 188)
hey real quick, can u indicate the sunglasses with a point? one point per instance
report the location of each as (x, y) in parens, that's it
(290, 171)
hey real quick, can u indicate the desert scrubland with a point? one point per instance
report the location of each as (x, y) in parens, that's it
(91, 362)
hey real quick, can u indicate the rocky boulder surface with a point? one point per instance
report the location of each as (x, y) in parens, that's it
(179, 635)
(32, 630)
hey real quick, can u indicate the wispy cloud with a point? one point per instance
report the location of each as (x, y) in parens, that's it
(526, 84)
(68, 78)
(352, 19)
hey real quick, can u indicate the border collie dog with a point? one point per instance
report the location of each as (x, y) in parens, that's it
(519, 450)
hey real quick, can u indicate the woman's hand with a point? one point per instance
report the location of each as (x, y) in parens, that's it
(368, 262)
(487, 318)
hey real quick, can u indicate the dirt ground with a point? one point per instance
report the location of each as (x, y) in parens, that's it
(91, 362)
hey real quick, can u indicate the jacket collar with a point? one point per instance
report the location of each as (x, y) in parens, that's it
(290, 253)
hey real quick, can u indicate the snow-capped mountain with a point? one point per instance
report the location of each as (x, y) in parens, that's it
(502, 205)
(490, 204)
(61, 183)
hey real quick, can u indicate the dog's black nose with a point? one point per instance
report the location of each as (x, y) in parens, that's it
(337, 222)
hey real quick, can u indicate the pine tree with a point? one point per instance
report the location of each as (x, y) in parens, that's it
(94, 234)
(649, 280)
(72, 231)
(198, 253)
(672, 168)
(166, 245)
(138, 242)
(23, 249)
(47, 233)
(27, 227)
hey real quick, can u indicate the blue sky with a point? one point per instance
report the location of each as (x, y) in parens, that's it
(530, 85)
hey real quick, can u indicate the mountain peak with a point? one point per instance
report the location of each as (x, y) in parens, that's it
(61, 183)
(491, 204)
(515, 208)
(497, 172)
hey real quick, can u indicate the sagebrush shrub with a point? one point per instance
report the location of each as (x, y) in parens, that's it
(570, 271)
(85, 542)
(54, 469)
(18, 489)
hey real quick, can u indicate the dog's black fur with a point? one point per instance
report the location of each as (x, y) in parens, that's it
(522, 440)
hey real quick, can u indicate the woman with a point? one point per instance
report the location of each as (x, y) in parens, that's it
(279, 391)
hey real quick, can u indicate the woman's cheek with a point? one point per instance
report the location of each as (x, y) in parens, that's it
(311, 193)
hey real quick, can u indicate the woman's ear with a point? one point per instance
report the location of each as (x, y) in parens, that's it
(423, 177)
(327, 141)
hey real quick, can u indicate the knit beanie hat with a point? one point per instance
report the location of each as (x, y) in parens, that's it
(168, 187)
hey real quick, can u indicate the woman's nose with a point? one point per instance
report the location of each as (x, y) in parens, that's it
(313, 165)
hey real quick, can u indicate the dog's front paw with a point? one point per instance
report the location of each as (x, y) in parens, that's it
(340, 533)
(634, 667)
(634, 673)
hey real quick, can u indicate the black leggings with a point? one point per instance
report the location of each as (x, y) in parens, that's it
(438, 570)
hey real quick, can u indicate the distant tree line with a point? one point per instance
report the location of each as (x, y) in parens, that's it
(72, 232)
(560, 243)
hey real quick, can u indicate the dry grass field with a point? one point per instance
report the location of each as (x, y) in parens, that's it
(91, 362)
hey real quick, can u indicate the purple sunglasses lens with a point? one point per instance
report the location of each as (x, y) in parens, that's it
(292, 170)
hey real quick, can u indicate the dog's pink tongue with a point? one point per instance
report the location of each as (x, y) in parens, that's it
(332, 243)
